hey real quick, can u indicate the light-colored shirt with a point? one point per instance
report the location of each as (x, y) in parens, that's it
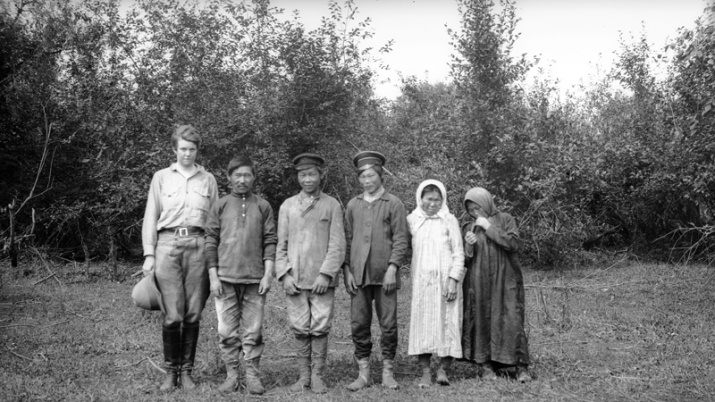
(177, 201)
(311, 239)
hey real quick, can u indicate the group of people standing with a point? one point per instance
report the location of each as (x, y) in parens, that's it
(467, 288)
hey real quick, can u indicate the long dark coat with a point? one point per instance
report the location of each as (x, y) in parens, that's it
(493, 326)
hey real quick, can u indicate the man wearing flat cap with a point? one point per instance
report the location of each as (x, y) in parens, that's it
(310, 251)
(376, 235)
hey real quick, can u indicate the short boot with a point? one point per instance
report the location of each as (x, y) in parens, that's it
(171, 337)
(232, 379)
(189, 339)
(253, 377)
(522, 374)
(488, 372)
(444, 364)
(320, 353)
(426, 379)
(388, 374)
(303, 351)
(363, 379)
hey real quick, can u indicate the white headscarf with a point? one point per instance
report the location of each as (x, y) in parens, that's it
(419, 213)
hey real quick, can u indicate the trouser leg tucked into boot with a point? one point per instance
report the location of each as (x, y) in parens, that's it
(388, 374)
(189, 339)
(320, 353)
(253, 377)
(444, 364)
(232, 378)
(303, 351)
(363, 378)
(171, 337)
(426, 379)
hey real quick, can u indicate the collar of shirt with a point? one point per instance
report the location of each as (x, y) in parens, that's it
(199, 168)
(242, 196)
(302, 197)
(381, 196)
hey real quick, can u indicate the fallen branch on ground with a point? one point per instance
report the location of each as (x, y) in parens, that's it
(19, 355)
(44, 279)
(157, 367)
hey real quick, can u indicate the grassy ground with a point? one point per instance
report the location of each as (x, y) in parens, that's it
(624, 331)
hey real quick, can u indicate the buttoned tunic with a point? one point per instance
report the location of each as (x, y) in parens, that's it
(376, 236)
(240, 235)
(311, 239)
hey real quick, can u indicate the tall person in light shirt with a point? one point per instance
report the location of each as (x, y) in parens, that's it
(178, 204)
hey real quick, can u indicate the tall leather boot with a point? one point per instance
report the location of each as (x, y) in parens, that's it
(388, 374)
(363, 379)
(303, 351)
(171, 337)
(320, 353)
(189, 339)
(253, 377)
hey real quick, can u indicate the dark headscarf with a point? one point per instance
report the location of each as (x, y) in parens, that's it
(483, 198)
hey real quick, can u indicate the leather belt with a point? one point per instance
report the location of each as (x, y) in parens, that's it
(184, 231)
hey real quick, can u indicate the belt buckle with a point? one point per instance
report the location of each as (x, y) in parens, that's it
(183, 232)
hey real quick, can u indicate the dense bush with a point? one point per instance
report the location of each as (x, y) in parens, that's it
(90, 95)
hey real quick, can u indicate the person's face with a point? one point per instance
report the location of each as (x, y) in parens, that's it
(475, 210)
(370, 181)
(309, 180)
(242, 179)
(185, 153)
(431, 202)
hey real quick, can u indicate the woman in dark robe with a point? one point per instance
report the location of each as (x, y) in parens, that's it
(493, 333)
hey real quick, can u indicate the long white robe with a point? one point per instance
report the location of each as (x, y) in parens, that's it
(437, 255)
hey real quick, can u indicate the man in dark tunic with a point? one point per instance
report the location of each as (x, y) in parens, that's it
(376, 235)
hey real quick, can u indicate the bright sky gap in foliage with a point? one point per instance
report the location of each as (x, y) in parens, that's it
(573, 38)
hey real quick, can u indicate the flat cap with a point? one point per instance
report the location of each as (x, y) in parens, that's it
(366, 159)
(307, 161)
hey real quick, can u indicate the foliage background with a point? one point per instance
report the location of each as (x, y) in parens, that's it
(90, 95)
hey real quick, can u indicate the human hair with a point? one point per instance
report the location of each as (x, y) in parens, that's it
(185, 132)
(240, 161)
(431, 188)
(377, 168)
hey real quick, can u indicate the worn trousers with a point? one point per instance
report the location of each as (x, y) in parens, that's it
(311, 314)
(240, 321)
(361, 313)
(182, 277)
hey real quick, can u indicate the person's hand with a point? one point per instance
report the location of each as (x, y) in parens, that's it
(450, 293)
(289, 285)
(483, 223)
(215, 283)
(265, 285)
(389, 282)
(350, 285)
(470, 238)
(149, 263)
(321, 284)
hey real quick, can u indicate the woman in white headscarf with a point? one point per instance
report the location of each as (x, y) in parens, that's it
(494, 335)
(437, 270)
